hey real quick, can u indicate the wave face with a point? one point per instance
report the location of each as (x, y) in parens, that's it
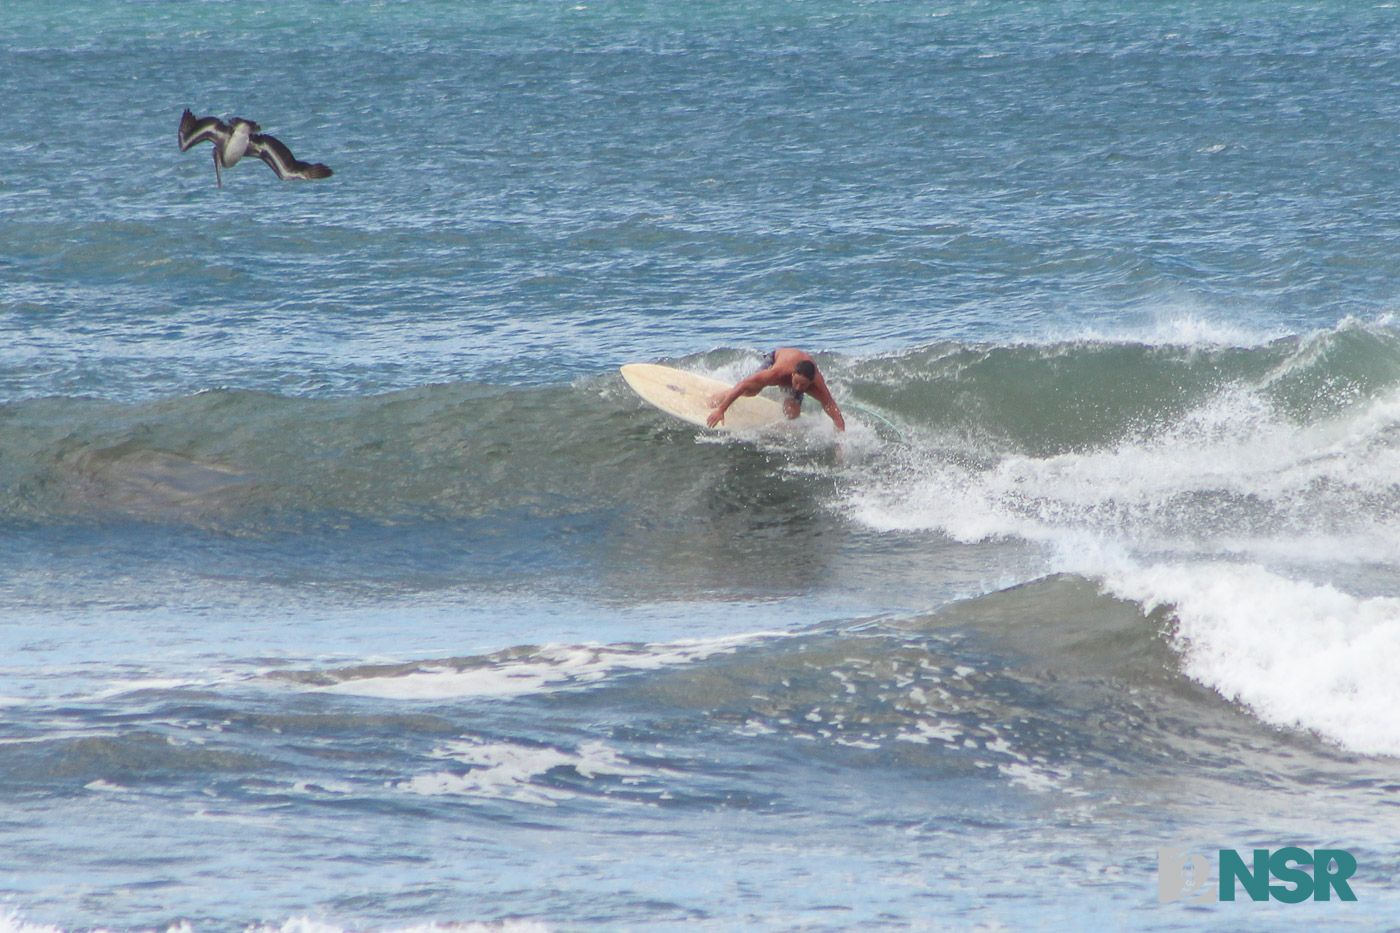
(1250, 489)
(1165, 421)
(1285, 449)
(1210, 477)
(1209, 450)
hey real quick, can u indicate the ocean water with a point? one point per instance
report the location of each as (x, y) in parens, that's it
(346, 588)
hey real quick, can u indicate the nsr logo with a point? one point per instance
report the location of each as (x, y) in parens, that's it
(1185, 875)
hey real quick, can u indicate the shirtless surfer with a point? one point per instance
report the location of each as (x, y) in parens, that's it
(793, 370)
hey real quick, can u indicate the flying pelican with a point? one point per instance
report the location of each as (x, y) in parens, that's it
(239, 137)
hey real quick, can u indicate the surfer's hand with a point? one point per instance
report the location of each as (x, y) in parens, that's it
(715, 418)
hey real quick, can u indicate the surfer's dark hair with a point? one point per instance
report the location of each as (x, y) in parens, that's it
(806, 369)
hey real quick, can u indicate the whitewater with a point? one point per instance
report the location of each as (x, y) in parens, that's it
(345, 586)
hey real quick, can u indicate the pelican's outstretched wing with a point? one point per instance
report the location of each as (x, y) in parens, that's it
(272, 151)
(197, 130)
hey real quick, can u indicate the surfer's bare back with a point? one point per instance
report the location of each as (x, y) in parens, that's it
(788, 368)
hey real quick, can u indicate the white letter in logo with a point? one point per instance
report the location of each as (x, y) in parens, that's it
(1173, 869)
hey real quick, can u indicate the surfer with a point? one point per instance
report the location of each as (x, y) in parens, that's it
(790, 369)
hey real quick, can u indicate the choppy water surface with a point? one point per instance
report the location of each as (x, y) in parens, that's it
(345, 586)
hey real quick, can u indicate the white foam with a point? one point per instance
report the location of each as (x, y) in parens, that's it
(205, 678)
(1233, 514)
(12, 922)
(1298, 654)
(1228, 475)
(922, 732)
(550, 667)
(1180, 321)
(309, 925)
(1177, 325)
(1039, 778)
(511, 771)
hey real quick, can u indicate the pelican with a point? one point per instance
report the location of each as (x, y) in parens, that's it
(239, 137)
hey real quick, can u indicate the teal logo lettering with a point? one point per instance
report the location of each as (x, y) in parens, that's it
(1286, 866)
(1281, 875)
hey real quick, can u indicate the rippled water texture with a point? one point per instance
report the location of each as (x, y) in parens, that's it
(345, 587)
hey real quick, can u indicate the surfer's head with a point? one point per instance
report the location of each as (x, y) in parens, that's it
(803, 375)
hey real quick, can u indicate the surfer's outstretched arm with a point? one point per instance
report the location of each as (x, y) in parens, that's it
(750, 386)
(834, 413)
(822, 394)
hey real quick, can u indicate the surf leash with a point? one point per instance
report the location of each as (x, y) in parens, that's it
(897, 432)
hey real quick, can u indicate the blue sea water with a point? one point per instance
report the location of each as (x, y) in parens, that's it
(345, 586)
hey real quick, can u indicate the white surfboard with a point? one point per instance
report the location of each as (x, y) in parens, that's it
(687, 396)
